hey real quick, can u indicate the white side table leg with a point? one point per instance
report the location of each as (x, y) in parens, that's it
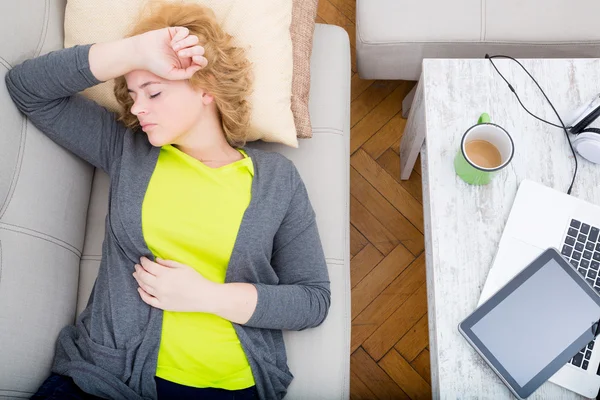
(414, 134)
(407, 102)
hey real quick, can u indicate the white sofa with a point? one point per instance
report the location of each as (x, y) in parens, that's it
(53, 204)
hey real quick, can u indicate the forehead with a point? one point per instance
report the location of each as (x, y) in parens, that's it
(139, 76)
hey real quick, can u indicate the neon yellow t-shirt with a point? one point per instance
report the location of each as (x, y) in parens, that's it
(191, 213)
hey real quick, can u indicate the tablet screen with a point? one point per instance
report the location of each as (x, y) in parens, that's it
(536, 322)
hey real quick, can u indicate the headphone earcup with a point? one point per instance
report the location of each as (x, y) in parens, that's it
(587, 145)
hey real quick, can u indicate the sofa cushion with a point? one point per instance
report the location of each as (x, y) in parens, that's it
(405, 21)
(541, 21)
(30, 29)
(394, 36)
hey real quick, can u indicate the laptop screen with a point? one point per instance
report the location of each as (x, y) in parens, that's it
(536, 322)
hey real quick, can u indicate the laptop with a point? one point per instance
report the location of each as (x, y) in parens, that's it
(542, 217)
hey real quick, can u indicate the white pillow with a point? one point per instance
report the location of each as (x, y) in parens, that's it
(262, 27)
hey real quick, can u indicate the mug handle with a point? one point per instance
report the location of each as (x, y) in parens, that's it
(484, 119)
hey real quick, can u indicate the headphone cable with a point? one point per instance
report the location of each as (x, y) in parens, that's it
(562, 125)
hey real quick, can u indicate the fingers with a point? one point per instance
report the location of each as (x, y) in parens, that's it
(188, 41)
(186, 46)
(200, 61)
(196, 53)
(146, 266)
(180, 32)
(149, 266)
(147, 298)
(168, 263)
(191, 51)
(144, 278)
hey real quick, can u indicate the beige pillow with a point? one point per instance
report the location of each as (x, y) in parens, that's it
(262, 27)
(304, 13)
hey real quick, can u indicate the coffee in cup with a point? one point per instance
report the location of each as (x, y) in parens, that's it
(483, 153)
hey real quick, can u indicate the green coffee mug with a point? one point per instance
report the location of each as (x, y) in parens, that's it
(468, 169)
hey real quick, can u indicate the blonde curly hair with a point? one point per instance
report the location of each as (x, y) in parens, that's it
(227, 77)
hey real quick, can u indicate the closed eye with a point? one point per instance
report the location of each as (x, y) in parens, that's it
(155, 95)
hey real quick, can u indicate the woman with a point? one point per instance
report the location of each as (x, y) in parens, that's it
(211, 249)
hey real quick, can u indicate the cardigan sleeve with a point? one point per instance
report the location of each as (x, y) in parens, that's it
(302, 298)
(46, 88)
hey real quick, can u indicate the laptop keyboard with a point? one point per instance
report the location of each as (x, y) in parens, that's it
(582, 248)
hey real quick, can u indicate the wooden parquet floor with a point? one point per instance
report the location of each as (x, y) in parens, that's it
(390, 353)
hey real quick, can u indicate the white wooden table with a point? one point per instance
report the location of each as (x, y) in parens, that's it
(464, 223)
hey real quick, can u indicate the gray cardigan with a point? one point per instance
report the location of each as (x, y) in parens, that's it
(112, 349)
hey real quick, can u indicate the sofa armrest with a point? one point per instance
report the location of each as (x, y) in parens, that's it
(329, 103)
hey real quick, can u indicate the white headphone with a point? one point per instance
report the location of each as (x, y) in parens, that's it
(587, 145)
(587, 141)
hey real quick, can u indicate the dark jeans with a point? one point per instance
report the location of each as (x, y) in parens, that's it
(169, 390)
(59, 387)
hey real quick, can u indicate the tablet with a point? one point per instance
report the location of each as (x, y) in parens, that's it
(535, 324)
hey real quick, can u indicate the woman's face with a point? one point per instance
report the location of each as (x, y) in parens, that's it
(167, 110)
